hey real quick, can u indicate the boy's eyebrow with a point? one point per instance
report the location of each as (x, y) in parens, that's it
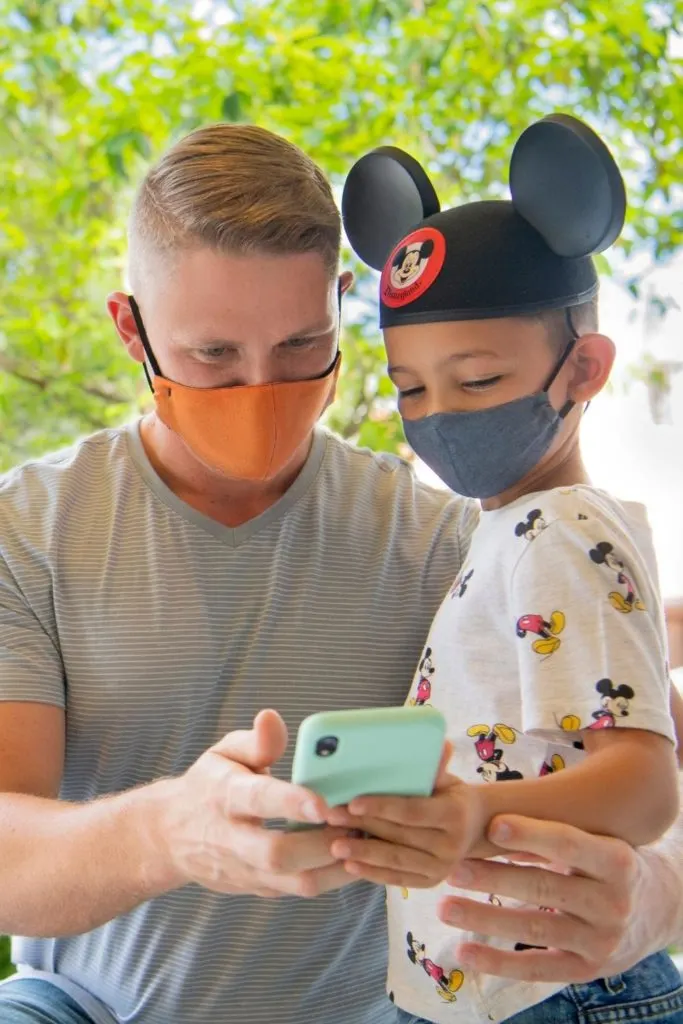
(455, 357)
(459, 356)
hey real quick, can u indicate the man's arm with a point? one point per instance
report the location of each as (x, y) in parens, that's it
(614, 905)
(67, 868)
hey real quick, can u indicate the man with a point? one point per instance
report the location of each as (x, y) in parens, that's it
(162, 583)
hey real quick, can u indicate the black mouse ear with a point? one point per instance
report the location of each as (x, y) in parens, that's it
(386, 194)
(565, 183)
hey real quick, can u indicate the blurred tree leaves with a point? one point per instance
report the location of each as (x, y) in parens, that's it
(91, 90)
(6, 967)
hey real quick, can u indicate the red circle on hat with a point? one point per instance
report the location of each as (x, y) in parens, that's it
(413, 267)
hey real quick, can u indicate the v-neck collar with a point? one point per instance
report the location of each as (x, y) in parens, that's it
(232, 536)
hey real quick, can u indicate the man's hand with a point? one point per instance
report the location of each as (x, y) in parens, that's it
(609, 901)
(211, 824)
(415, 841)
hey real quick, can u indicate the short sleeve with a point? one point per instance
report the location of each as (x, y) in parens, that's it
(591, 644)
(31, 668)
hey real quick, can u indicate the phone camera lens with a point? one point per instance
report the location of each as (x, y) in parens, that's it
(326, 746)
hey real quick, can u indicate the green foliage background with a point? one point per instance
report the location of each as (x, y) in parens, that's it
(92, 90)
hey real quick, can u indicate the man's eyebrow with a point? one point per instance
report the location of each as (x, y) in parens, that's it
(317, 330)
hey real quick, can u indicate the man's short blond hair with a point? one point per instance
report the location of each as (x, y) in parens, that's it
(233, 188)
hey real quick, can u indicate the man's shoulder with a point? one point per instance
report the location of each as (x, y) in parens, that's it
(385, 489)
(40, 485)
(390, 478)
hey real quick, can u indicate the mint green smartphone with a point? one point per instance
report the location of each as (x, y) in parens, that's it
(344, 754)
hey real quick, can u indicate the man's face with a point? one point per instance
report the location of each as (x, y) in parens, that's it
(218, 320)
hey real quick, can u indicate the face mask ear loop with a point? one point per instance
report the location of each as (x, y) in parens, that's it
(574, 337)
(339, 307)
(337, 355)
(137, 317)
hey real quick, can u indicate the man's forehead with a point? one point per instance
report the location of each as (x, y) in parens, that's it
(208, 275)
(204, 335)
(238, 299)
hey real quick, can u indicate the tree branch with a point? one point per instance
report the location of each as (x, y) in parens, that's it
(43, 383)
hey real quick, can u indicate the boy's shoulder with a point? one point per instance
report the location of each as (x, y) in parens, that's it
(572, 520)
(578, 503)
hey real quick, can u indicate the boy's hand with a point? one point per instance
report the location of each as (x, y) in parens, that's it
(416, 841)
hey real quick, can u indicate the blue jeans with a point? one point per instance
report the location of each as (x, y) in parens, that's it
(32, 1001)
(651, 991)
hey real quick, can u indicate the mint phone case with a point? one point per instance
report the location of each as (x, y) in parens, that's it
(344, 754)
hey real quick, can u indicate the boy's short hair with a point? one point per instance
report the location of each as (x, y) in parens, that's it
(583, 318)
(237, 189)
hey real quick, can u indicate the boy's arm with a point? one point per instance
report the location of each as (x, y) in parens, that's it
(612, 783)
(627, 787)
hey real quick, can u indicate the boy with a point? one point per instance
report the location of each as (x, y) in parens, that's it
(548, 653)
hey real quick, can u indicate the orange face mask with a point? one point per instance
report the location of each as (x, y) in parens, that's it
(248, 432)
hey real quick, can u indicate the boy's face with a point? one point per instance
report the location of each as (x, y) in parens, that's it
(463, 366)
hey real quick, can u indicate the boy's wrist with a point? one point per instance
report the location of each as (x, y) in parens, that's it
(478, 817)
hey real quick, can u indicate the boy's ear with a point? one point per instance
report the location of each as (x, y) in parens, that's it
(590, 365)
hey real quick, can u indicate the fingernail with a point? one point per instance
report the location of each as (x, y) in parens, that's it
(462, 875)
(342, 850)
(499, 830)
(311, 812)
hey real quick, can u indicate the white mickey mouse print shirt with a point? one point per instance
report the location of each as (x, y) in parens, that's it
(553, 626)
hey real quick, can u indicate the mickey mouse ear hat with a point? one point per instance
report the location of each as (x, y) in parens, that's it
(493, 258)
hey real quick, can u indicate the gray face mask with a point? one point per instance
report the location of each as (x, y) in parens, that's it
(482, 454)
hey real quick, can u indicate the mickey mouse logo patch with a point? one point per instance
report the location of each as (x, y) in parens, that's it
(412, 267)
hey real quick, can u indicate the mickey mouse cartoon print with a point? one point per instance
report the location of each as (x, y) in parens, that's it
(424, 685)
(486, 741)
(409, 262)
(413, 267)
(446, 984)
(459, 588)
(552, 764)
(615, 704)
(532, 526)
(604, 554)
(547, 630)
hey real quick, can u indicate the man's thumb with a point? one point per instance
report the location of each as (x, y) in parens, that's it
(259, 747)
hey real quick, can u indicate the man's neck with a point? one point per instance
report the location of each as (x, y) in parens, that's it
(227, 501)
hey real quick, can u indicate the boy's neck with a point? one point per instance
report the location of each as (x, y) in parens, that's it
(566, 469)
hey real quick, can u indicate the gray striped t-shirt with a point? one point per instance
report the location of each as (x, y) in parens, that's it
(159, 630)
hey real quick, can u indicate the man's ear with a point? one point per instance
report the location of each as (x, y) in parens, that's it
(119, 309)
(345, 281)
(590, 365)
